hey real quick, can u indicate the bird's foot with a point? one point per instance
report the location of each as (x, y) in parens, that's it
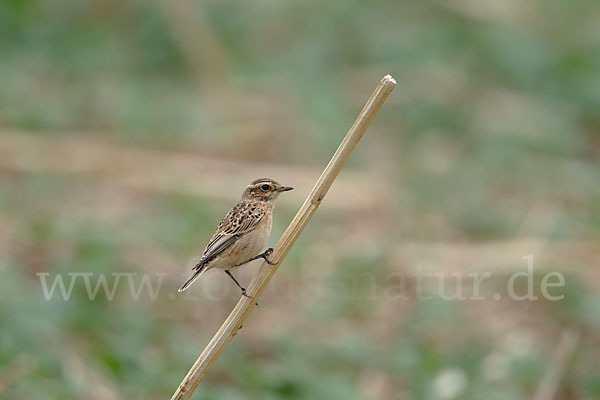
(266, 255)
(248, 296)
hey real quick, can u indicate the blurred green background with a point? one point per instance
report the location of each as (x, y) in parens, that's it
(127, 129)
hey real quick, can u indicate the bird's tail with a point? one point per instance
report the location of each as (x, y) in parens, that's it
(195, 275)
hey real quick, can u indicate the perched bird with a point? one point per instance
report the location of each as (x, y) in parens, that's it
(242, 233)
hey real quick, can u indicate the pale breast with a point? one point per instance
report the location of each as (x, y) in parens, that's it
(245, 247)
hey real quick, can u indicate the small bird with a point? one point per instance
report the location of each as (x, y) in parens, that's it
(242, 233)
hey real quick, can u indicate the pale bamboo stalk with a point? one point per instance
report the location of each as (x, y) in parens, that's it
(236, 319)
(563, 353)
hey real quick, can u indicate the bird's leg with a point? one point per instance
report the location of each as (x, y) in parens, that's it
(237, 283)
(265, 254)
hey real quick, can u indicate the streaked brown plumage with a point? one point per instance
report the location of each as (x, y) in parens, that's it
(242, 233)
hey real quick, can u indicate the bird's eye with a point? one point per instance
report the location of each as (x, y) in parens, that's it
(265, 188)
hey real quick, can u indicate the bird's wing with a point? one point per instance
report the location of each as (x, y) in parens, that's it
(240, 220)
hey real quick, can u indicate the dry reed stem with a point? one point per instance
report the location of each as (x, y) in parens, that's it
(550, 382)
(236, 319)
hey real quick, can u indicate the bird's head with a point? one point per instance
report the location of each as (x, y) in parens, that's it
(264, 189)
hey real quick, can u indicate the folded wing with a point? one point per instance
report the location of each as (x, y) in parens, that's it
(240, 220)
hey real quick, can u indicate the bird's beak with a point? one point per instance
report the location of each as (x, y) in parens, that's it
(285, 188)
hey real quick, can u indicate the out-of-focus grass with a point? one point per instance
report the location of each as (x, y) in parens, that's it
(491, 135)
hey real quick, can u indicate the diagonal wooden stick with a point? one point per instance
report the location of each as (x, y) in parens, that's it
(239, 314)
(550, 382)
